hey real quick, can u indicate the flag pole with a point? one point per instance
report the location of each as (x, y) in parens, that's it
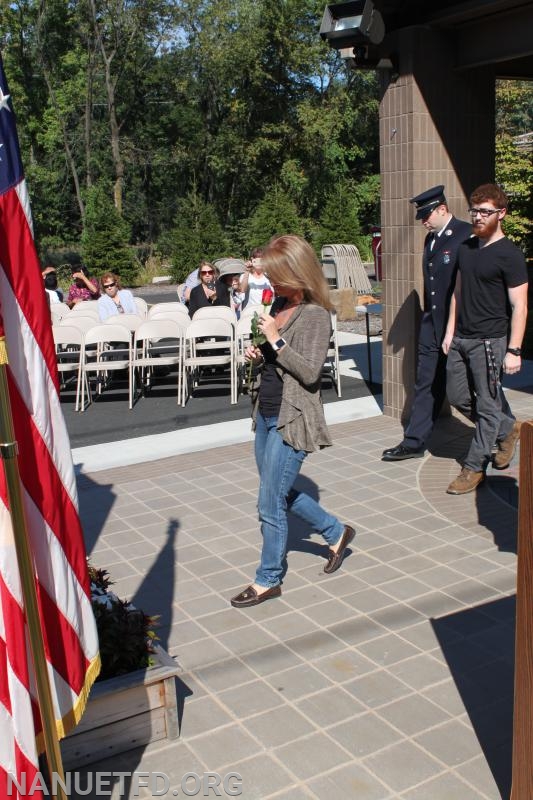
(8, 454)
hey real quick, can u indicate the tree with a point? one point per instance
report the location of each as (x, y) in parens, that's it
(276, 214)
(339, 222)
(127, 33)
(514, 165)
(159, 101)
(197, 235)
(105, 237)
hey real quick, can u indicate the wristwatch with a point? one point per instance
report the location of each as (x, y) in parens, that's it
(515, 351)
(277, 345)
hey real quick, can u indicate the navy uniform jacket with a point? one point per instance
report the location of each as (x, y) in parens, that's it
(440, 267)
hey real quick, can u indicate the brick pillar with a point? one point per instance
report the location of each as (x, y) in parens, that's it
(436, 126)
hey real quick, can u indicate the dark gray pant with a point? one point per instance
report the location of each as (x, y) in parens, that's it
(468, 388)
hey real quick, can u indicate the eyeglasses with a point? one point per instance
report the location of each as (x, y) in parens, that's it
(483, 212)
(109, 285)
(207, 272)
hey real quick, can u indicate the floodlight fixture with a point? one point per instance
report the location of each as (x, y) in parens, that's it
(352, 24)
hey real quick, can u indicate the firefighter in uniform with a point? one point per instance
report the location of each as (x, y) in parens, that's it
(445, 234)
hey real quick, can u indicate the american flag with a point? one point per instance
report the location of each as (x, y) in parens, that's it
(48, 492)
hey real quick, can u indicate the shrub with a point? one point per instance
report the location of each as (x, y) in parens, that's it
(105, 237)
(197, 235)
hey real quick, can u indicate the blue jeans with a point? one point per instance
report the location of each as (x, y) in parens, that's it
(469, 391)
(278, 465)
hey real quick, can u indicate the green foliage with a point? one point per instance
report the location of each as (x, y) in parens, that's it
(514, 170)
(514, 165)
(340, 220)
(276, 214)
(197, 235)
(104, 241)
(125, 634)
(226, 101)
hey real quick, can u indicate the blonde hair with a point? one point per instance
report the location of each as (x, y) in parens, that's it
(290, 261)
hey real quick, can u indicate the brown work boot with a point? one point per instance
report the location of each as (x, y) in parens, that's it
(507, 447)
(466, 481)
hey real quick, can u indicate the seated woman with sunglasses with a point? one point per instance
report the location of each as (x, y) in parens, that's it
(209, 292)
(114, 299)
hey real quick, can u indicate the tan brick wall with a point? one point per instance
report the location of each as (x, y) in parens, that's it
(436, 126)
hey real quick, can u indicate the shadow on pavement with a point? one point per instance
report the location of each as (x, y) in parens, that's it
(478, 645)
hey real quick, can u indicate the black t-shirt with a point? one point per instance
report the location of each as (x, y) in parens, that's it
(486, 275)
(271, 387)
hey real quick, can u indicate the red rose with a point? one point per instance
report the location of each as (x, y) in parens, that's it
(267, 297)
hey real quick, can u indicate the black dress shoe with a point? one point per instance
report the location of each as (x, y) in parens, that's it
(335, 558)
(249, 597)
(400, 453)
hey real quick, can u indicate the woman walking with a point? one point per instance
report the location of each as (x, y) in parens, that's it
(288, 415)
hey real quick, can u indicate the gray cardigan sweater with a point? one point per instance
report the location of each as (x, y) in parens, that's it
(301, 419)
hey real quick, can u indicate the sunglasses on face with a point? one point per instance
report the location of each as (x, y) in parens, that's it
(207, 272)
(109, 285)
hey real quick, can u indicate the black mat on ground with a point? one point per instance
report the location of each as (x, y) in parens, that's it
(108, 418)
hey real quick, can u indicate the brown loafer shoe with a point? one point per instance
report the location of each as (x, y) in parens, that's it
(249, 597)
(335, 559)
(507, 447)
(466, 481)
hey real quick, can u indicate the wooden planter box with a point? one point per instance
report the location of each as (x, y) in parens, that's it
(125, 712)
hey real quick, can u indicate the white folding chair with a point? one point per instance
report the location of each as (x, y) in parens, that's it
(158, 343)
(55, 316)
(142, 306)
(248, 311)
(68, 341)
(171, 310)
(213, 353)
(129, 321)
(331, 365)
(243, 333)
(60, 309)
(216, 312)
(106, 348)
(88, 308)
(79, 321)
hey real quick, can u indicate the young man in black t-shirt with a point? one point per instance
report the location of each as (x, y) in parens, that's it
(484, 335)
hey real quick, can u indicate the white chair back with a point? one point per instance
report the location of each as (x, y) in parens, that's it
(248, 311)
(129, 321)
(55, 317)
(88, 308)
(216, 312)
(60, 309)
(142, 306)
(169, 310)
(79, 321)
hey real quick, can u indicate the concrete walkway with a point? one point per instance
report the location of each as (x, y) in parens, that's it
(392, 678)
